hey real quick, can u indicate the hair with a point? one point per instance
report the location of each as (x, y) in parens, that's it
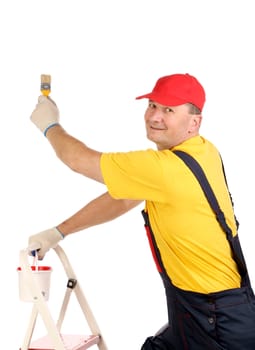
(193, 109)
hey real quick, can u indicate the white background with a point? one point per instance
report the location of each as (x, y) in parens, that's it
(101, 55)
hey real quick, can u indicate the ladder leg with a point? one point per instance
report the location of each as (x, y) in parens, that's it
(63, 308)
(81, 298)
(30, 329)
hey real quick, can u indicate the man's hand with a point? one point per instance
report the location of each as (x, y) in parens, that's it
(45, 114)
(45, 240)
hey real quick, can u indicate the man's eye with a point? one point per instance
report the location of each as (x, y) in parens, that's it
(168, 110)
(151, 105)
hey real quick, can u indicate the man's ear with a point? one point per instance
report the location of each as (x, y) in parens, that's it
(195, 122)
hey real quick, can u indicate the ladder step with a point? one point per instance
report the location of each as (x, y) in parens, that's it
(70, 342)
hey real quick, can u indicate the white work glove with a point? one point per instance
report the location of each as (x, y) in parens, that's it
(45, 114)
(43, 241)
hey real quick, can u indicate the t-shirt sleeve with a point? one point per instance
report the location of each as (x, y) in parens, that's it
(136, 175)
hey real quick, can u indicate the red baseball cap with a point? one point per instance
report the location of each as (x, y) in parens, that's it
(177, 89)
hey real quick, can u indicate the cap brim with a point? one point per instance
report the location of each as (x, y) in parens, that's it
(163, 100)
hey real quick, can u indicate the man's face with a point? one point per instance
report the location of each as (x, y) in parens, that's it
(169, 126)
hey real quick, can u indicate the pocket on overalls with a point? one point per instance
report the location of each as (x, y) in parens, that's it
(194, 336)
(193, 319)
(236, 320)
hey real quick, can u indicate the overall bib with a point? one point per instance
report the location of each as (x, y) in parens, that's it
(217, 321)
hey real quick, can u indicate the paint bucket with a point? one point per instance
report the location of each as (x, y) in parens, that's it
(41, 276)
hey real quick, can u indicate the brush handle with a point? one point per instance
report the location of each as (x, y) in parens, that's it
(33, 248)
(45, 84)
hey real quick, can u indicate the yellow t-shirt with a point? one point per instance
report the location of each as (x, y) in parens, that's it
(193, 247)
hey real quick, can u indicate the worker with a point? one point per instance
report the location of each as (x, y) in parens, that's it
(210, 300)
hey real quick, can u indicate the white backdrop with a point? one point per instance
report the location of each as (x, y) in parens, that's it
(101, 55)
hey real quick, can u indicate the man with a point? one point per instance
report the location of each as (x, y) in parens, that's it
(210, 303)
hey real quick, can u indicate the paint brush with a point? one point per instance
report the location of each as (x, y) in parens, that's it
(45, 84)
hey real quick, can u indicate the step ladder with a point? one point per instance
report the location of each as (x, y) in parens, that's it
(54, 339)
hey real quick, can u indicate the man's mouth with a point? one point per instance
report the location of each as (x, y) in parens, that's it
(157, 128)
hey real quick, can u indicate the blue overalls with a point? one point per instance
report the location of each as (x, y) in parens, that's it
(217, 321)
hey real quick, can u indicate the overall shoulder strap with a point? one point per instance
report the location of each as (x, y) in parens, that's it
(195, 167)
(197, 170)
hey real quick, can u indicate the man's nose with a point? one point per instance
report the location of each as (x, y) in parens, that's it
(156, 115)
